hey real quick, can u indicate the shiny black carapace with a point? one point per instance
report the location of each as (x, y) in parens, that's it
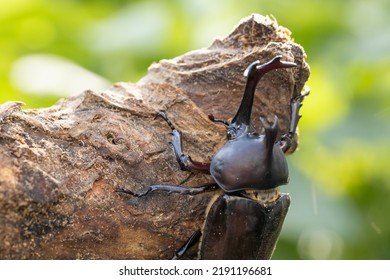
(245, 219)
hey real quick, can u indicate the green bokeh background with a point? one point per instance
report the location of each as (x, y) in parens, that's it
(340, 179)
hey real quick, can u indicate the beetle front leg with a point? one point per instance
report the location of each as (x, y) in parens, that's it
(287, 140)
(170, 188)
(184, 160)
(216, 120)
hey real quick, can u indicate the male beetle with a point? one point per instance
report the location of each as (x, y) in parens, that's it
(245, 219)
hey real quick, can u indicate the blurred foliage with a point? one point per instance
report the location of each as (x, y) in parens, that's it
(340, 183)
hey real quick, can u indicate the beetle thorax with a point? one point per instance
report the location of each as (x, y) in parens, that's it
(248, 162)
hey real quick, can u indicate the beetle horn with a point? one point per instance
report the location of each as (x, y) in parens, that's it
(254, 72)
(271, 132)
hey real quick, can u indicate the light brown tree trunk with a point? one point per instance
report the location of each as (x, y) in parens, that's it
(60, 166)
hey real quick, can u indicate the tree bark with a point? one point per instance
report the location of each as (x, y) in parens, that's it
(60, 166)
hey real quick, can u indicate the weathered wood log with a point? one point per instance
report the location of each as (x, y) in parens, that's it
(60, 166)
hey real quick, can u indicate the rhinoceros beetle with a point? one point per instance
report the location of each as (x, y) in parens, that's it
(245, 219)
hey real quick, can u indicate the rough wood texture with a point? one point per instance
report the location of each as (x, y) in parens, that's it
(60, 166)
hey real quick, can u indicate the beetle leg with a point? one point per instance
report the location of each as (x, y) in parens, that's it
(213, 119)
(169, 188)
(185, 161)
(287, 140)
(194, 238)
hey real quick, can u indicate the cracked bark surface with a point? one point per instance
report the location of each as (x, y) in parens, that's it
(60, 166)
